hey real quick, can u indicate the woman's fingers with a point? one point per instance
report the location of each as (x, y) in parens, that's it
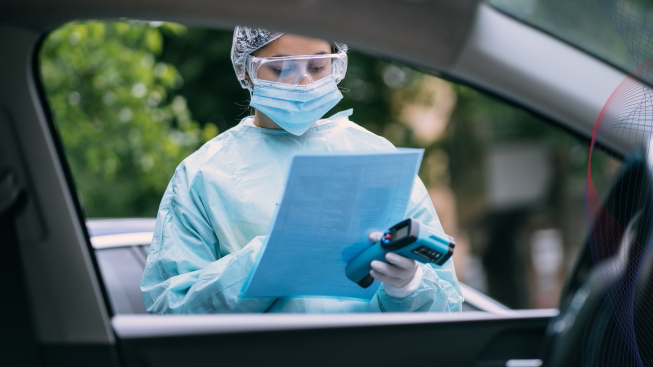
(399, 271)
(390, 270)
(400, 261)
(384, 278)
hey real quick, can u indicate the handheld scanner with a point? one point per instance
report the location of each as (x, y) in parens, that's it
(407, 238)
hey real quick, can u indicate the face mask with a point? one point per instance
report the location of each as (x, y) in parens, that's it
(295, 107)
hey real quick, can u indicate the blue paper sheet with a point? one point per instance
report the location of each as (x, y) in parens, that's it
(330, 204)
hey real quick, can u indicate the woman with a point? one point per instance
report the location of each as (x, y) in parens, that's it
(221, 200)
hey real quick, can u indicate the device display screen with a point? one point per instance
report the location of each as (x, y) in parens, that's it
(401, 233)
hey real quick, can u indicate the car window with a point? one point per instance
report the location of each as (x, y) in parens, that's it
(132, 99)
(607, 29)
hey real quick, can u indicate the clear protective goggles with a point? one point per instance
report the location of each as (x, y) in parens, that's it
(297, 70)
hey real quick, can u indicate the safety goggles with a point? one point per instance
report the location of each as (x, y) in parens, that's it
(297, 70)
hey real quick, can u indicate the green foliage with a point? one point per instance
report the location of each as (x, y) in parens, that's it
(122, 92)
(210, 85)
(124, 128)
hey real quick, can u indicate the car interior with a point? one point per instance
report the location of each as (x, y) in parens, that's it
(605, 275)
(57, 308)
(121, 247)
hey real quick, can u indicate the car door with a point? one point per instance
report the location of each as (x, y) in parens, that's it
(71, 316)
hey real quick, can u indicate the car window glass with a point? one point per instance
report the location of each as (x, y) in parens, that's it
(132, 99)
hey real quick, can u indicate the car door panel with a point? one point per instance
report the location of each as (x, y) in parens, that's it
(469, 339)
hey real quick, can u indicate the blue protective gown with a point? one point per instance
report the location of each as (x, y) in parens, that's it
(219, 205)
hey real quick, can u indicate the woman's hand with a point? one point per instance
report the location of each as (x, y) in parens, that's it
(401, 276)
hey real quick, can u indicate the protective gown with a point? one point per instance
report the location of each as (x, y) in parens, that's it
(219, 205)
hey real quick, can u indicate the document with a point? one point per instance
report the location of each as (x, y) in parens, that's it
(331, 203)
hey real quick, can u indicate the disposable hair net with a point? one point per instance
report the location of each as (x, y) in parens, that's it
(247, 40)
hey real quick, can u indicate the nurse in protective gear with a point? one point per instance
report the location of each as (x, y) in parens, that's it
(219, 204)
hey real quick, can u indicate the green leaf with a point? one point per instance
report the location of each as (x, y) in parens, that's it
(154, 41)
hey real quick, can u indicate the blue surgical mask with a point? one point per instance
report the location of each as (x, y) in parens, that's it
(295, 107)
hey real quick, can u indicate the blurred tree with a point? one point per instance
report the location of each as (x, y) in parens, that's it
(108, 81)
(210, 86)
(124, 128)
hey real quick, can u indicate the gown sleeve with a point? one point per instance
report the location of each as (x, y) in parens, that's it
(185, 273)
(439, 290)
